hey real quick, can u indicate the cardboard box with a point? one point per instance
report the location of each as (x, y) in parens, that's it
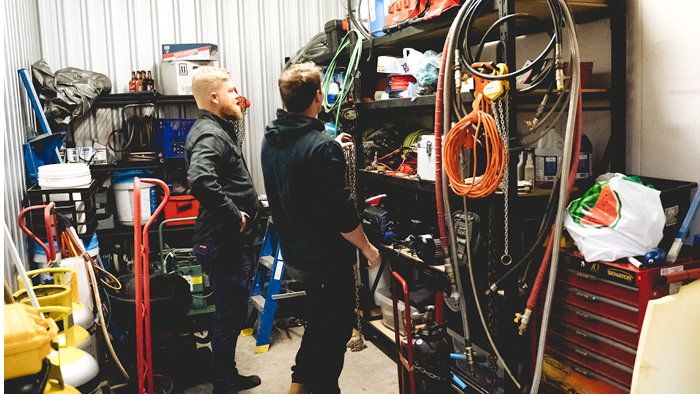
(197, 51)
(392, 65)
(176, 76)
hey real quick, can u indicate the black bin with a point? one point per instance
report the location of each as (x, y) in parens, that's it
(675, 199)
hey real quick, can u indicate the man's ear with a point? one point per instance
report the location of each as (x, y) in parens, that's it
(214, 97)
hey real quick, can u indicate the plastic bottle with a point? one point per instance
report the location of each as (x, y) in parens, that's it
(585, 161)
(521, 166)
(529, 170)
(548, 157)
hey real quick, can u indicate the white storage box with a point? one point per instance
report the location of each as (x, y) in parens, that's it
(426, 157)
(197, 51)
(384, 297)
(176, 76)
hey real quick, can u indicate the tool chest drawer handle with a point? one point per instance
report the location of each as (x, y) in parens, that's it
(581, 371)
(582, 334)
(581, 352)
(586, 296)
(583, 315)
(585, 276)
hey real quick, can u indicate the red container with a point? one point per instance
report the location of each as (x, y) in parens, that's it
(181, 207)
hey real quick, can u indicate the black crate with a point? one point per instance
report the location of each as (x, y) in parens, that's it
(76, 203)
(675, 199)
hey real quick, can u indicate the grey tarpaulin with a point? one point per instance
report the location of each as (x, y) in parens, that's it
(68, 93)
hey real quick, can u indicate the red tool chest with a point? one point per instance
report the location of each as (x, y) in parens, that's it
(595, 321)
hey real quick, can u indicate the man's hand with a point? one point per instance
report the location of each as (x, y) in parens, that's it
(244, 220)
(374, 259)
(345, 141)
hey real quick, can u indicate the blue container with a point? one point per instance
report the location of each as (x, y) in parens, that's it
(170, 135)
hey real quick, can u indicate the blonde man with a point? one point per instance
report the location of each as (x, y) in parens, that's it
(317, 225)
(227, 224)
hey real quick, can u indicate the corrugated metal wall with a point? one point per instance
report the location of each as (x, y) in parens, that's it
(114, 37)
(22, 48)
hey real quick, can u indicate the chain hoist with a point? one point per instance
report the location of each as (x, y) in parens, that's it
(501, 113)
(358, 343)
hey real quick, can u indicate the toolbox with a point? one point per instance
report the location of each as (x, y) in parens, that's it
(597, 314)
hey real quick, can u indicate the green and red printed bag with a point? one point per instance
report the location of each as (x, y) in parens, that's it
(618, 217)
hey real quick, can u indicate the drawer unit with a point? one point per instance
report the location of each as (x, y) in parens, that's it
(592, 360)
(597, 314)
(604, 306)
(570, 377)
(590, 340)
(595, 323)
(613, 290)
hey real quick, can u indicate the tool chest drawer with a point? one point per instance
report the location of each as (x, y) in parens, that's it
(570, 377)
(590, 340)
(592, 360)
(616, 291)
(612, 309)
(601, 325)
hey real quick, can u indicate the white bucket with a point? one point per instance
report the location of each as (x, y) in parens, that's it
(124, 198)
(65, 175)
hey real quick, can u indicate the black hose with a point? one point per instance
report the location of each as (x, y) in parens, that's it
(474, 10)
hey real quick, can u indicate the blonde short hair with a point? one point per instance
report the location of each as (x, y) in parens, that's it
(206, 80)
(298, 86)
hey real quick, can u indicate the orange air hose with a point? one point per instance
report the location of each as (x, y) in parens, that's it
(463, 135)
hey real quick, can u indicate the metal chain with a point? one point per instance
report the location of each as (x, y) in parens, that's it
(492, 300)
(500, 109)
(239, 128)
(356, 344)
(431, 375)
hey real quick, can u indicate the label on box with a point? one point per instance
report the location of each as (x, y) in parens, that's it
(670, 270)
(392, 65)
(190, 52)
(546, 168)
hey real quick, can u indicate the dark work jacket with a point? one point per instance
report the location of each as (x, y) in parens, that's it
(219, 179)
(304, 171)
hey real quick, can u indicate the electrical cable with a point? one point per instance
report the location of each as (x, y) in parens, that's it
(475, 8)
(316, 47)
(478, 304)
(464, 135)
(442, 121)
(543, 231)
(544, 75)
(89, 263)
(348, 81)
(570, 143)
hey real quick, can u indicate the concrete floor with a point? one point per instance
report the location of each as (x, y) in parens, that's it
(367, 371)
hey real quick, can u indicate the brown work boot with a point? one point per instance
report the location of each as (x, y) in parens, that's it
(297, 388)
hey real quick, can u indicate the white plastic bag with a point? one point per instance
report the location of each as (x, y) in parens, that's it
(616, 218)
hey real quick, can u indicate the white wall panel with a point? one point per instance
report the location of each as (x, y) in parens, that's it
(114, 37)
(22, 48)
(663, 115)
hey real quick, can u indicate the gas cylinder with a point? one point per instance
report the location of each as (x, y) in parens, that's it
(432, 355)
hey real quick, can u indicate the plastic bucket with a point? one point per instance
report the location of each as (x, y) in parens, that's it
(65, 175)
(124, 198)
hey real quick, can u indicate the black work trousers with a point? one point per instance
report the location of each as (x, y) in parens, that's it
(330, 321)
(229, 268)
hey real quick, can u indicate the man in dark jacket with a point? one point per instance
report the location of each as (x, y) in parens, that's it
(227, 223)
(317, 226)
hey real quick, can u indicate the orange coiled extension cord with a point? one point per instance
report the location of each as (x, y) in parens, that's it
(463, 135)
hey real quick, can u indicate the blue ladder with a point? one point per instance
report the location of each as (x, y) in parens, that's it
(267, 285)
